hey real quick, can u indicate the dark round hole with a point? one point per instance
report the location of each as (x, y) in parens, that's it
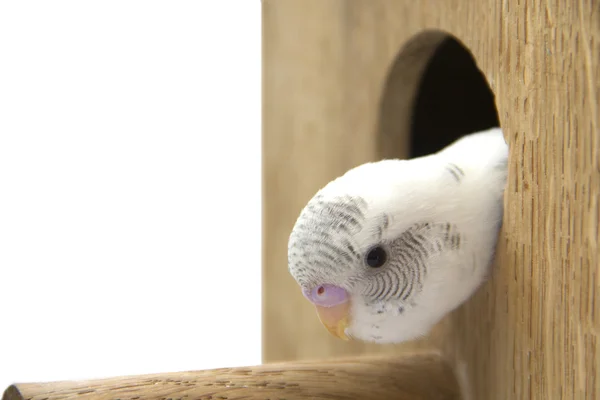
(434, 94)
(453, 100)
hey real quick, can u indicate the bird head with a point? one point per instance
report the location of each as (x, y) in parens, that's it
(387, 249)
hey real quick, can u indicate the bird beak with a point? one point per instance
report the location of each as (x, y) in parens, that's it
(335, 319)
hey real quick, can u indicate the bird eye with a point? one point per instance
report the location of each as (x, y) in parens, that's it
(376, 257)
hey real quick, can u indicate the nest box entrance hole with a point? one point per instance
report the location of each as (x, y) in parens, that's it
(434, 94)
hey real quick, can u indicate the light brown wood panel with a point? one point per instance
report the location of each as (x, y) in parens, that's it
(421, 376)
(310, 136)
(532, 331)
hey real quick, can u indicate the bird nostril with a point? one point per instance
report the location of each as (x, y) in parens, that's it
(320, 290)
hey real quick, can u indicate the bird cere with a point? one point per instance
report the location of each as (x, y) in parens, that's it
(386, 250)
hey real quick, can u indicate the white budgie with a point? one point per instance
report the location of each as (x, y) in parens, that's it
(389, 248)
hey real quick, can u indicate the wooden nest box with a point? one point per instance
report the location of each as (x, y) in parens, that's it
(351, 81)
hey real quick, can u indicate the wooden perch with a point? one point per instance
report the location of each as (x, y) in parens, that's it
(416, 377)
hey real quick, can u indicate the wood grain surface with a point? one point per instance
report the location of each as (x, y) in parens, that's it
(532, 331)
(416, 377)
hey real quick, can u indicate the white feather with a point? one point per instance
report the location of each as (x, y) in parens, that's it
(413, 191)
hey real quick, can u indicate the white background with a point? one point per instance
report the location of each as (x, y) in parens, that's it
(129, 187)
